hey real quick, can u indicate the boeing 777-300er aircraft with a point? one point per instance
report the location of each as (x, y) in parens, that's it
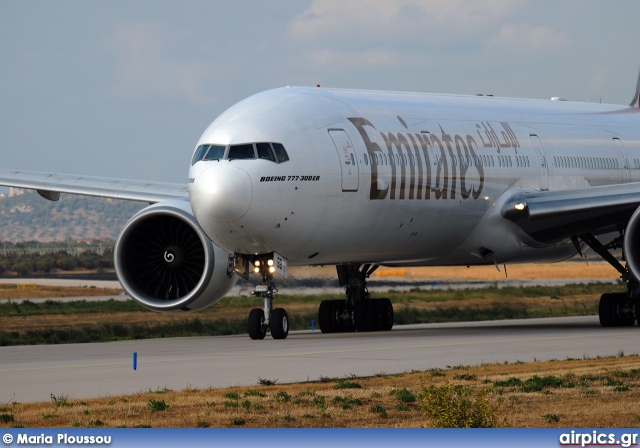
(360, 179)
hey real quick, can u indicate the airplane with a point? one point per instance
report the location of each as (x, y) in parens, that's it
(360, 179)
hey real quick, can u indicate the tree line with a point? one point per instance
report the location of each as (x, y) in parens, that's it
(64, 259)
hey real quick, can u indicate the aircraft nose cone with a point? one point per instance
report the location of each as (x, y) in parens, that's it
(222, 193)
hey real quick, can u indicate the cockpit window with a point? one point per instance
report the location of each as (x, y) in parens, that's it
(274, 152)
(241, 152)
(215, 152)
(281, 153)
(199, 154)
(265, 152)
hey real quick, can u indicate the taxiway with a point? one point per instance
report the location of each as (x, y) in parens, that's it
(32, 373)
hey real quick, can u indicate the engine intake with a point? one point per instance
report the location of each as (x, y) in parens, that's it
(166, 263)
(631, 245)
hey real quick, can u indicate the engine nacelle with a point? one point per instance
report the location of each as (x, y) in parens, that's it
(166, 263)
(631, 244)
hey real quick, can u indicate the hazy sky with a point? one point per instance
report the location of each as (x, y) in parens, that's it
(125, 88)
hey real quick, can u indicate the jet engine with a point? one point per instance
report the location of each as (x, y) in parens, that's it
(632, 244)
(166, 263)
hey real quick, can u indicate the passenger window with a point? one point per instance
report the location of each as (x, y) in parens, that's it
(199, 154)
(265, 152)
(281, 153)
(215, 152)
(241, 152)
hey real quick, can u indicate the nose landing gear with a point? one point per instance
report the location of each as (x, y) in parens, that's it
(276, 320)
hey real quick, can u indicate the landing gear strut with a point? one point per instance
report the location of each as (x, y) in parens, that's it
(615, 309)
(358, 312)
(276, 320)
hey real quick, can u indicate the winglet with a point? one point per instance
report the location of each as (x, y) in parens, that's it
(636, 98)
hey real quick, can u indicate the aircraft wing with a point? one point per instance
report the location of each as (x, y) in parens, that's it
(51, 185)
(554, 215)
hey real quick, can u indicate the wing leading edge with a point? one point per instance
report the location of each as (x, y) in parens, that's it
(549, 216)
(50, 185)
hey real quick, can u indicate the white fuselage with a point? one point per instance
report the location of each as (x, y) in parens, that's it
(400, 178)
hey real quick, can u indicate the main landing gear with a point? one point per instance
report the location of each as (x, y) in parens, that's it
(276, 320)
(615, 309)
(359, 312)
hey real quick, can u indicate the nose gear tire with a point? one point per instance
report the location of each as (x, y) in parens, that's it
(279, 323)
(256, 328)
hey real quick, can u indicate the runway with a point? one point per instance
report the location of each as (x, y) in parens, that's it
(32, 373)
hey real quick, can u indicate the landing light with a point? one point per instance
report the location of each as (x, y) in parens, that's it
(256, 263)
(270, 262)
(256, 269)
(520, 206)
(272, 270)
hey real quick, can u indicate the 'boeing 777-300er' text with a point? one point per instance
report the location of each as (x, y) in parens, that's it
(360, 179)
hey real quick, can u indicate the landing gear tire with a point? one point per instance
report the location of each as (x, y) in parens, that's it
(363, 315)
(386, 314)
(626, 313)
(279, 323)
(373, 315)
(607, 310)
(334, 317)
(325, 317)
(256, 328)
(616, 310)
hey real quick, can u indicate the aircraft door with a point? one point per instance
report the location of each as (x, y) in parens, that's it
(348, 159)
(542, 158)
(622, 154)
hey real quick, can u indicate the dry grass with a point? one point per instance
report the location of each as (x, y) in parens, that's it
(568, 269)
(589, 302)
(597, 399)
(11, 291)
